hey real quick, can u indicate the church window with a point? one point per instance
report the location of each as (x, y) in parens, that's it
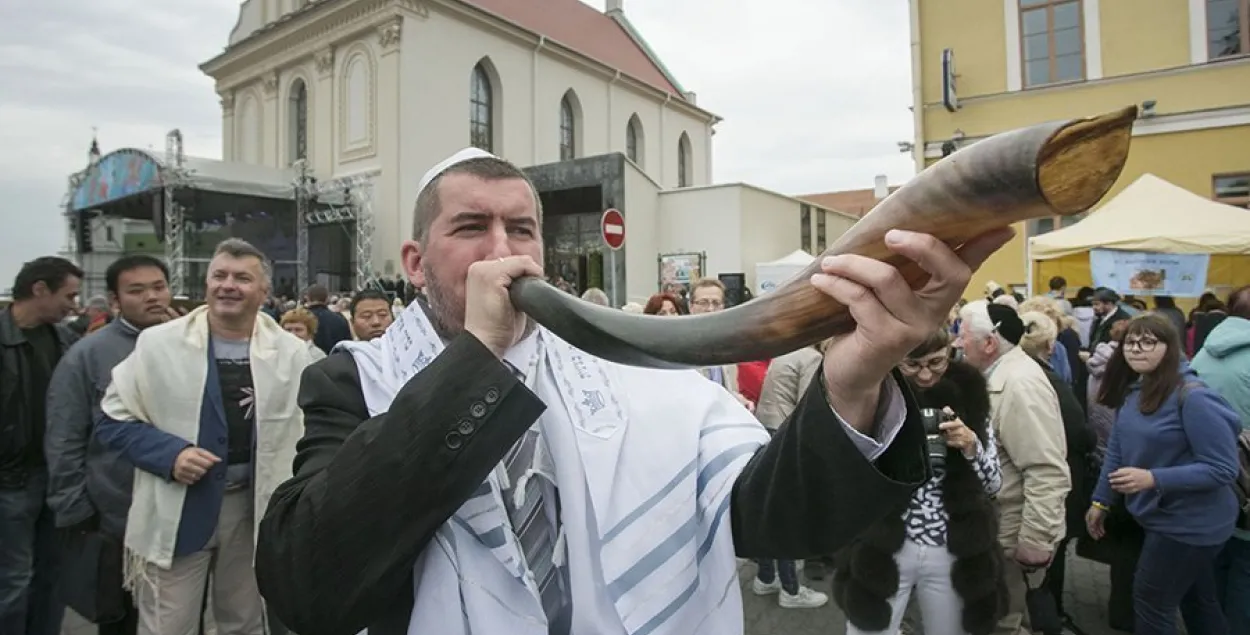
(568, 132)
(481, 113)
(298, 117)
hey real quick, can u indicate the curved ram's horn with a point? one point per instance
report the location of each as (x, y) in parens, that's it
(1052, 169)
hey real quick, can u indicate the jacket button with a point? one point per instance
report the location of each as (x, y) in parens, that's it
(492, 395)
(221, 476)
(465, 427)
(453, 441)
(221, 440)
(478, 410)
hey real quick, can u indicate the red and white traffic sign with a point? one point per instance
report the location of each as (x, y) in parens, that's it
(612, 228)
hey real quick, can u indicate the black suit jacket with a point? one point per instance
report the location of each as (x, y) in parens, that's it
(339, 540)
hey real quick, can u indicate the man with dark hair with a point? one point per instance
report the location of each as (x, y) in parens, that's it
(332, 328)
(371, 314)
(1059, 291)
(32, 341)
(1107, 312)
(89, 485)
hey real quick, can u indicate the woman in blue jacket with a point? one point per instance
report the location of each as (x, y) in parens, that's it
(1173, 457)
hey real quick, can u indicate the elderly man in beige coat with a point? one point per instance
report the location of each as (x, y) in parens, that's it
(1032, 450)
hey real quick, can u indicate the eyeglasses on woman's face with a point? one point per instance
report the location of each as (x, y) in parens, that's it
(933, 363)
(1145, 344)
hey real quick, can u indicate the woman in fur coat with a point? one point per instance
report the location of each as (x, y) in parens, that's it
(945, 544)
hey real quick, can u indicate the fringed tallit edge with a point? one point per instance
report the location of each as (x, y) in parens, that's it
(135, 572)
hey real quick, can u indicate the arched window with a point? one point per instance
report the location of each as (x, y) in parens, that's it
(481, 113)
(683, 161)
(568, 135)
(298, 118)
(632, 133)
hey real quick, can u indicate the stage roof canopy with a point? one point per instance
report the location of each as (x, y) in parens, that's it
(128, 172)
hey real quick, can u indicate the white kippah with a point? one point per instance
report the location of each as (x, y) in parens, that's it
(455, 159)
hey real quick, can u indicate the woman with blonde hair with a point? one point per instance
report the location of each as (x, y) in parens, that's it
(1065, 359)
(301, 323)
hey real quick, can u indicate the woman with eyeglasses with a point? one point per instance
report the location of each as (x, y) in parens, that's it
(944, 544)
(1172, 458)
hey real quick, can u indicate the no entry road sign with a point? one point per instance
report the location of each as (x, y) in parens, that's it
(612, 227)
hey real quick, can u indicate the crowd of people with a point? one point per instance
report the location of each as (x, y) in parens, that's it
(70, 495)
(1088, 421)
(339, 465)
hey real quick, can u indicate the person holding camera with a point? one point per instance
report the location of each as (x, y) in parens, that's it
(944, 543)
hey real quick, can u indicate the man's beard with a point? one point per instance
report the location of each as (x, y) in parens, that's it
(446, 312)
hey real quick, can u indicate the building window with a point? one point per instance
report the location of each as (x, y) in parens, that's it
(1044, 225)
(568, 134)
(805, 228)
(1228, 28)
(631, 139)
(481, 113)
(683, 161)
(821, 219)
(298, 114)
(1053, 41)
(1232, 189)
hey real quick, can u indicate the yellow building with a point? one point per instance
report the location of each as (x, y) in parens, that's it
(1186, 63)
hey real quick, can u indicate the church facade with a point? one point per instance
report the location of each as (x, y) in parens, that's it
(389, 87)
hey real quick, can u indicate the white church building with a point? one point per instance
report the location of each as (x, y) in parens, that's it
(386, 88)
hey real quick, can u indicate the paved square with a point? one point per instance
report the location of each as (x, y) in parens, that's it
(1085, 597)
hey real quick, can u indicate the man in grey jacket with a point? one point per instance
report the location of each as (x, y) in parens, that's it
(89, 485)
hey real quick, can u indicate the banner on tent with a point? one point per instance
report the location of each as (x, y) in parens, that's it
(1149, 273)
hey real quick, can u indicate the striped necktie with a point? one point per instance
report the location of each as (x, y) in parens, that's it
(535, 531)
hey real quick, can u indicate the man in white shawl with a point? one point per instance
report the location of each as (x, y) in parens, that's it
(469, 473)
(205, 408)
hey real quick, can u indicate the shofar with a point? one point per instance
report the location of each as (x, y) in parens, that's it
(1052, 169)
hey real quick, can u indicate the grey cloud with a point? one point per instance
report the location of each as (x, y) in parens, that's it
(128, 67)
(815, 95)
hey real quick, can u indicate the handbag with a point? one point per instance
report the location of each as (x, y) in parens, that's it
(91, 580)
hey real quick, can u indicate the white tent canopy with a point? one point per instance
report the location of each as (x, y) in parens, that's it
(1154, 215)
(770, 275)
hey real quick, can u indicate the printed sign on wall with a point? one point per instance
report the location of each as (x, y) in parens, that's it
(1143, 273)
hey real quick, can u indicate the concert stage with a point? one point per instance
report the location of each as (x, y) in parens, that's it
(310, 230)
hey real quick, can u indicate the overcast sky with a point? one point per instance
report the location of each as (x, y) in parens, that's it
(815, 95)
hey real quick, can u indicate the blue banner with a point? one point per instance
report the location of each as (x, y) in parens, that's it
(118, 175)
(1147, 273)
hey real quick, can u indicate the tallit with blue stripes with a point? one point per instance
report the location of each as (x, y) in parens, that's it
(644, 461)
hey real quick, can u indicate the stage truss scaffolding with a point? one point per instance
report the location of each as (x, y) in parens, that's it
(335, 202)
(174, 176)
(72, 219)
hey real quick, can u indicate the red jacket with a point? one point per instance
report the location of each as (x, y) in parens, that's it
(751, 379)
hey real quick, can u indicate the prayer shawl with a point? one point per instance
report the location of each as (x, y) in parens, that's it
(644, 462)
(162, 383)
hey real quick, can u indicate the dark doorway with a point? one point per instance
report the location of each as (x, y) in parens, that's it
(332, 256)
(574, 247)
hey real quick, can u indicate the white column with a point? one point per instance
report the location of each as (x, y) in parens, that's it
(227, 126)
(1011, 22)
(1198, 52)
(269, 118)
(321, 129)
(1093, 39)
(386, 216)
